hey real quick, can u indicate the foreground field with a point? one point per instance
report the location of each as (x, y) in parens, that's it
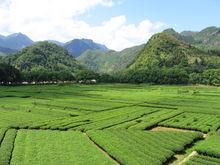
(109, 124)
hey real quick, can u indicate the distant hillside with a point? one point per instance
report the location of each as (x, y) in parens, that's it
(110, 61)
(207, 39)
(77, 46)
(15, 41)
(166, 50)
(6, 51)
(43, 55)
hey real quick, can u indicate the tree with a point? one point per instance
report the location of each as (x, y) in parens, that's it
(9, 74)
(85, 75)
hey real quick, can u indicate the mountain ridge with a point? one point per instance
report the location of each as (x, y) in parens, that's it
(77, 46)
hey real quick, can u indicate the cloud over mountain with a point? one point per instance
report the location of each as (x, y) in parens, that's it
(58, 20)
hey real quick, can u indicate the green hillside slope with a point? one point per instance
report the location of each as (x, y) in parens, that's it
(111, 61)
(45, 56)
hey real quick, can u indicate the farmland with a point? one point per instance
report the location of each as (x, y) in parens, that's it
(109, 124)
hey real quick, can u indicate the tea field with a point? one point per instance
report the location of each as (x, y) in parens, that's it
(123, 124)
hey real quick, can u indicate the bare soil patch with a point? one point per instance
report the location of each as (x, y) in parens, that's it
(170, 129)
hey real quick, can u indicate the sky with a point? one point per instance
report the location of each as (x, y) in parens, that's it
(116, 23)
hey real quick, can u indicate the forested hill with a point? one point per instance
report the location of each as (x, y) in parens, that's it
(166, 50)
(207, 39)
(168, 59)
(43, 56)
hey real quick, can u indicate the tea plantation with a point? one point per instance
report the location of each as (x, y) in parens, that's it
(123, 124)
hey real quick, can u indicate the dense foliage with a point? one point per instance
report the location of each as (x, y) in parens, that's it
(208, 39)
(43, 56)
(166, 59)
(208, 77)
(9, 74)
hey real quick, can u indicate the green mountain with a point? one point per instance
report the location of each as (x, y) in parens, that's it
(207, 39)
(110, 61)
(169, 50)
(44, 56)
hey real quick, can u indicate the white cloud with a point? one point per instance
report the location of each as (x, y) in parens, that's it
(57, 20)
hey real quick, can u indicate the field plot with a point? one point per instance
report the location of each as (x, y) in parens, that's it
(202, 160)
(6, 146)
(149, 120)
(12, 118)
(31, 149)
(96, 124)
(210, 147)
(194, 121)
(99, 120)
(137, 147)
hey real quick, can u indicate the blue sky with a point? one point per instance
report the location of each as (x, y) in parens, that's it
(116, 23)
(179, 14)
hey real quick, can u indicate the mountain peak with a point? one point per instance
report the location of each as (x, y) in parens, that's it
(169, 30)
(16, 41)
(77, 46)
(16, 35)
(161, 50)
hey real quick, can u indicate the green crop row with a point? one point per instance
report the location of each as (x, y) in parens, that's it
(194, 121)
(98, 120)
(2, 134)
(56, 148)
(136, 147)
(6, 147)
(148, 120)
(210, 146)
(202, 160)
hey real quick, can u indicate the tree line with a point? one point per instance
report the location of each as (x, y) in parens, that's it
(175, 75)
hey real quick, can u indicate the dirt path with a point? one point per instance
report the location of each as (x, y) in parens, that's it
(194, 153)
(179, 159)
(102, 150)
(170, 129)
(157, 129)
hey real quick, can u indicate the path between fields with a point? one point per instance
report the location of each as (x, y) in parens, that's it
(157, 129)
(180, 160)
(194, 153)
(102, 150)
